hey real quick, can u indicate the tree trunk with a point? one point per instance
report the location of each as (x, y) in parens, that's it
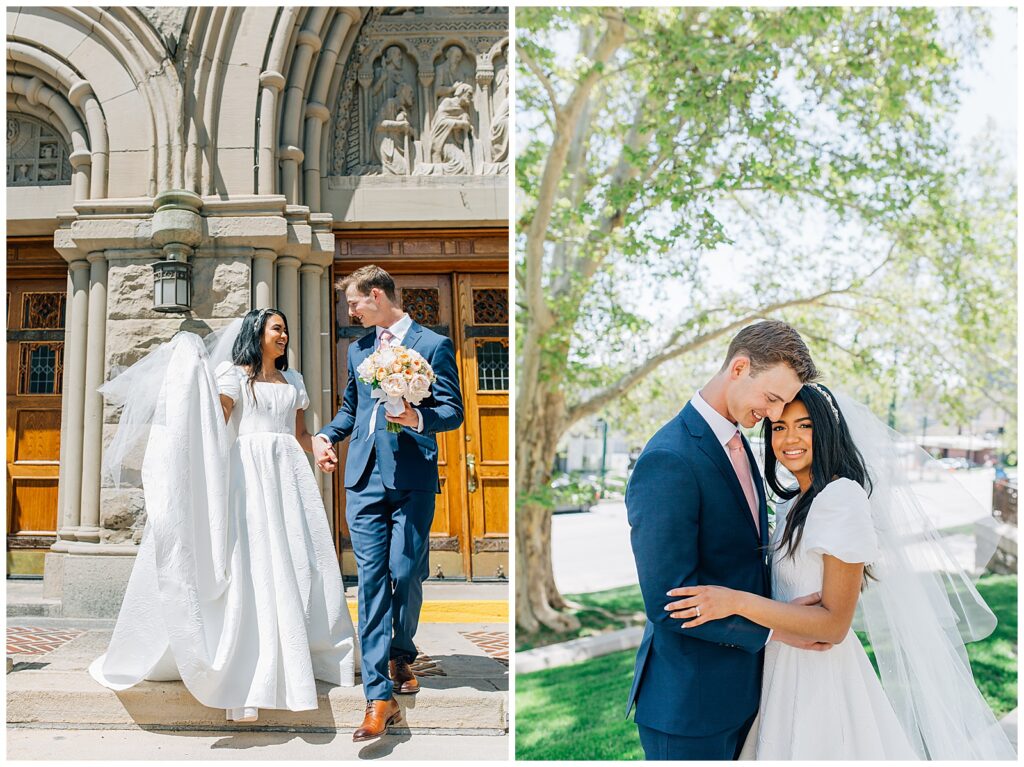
(540, 423)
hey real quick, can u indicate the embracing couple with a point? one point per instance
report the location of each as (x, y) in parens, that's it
(236, 589)
(749, 650)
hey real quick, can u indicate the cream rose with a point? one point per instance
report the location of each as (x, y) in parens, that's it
(394, 385)
(419, 388)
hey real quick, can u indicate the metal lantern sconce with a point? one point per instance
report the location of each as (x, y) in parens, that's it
(172, 281)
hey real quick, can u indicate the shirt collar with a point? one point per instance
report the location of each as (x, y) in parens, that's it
(399, 329)
(723, 428)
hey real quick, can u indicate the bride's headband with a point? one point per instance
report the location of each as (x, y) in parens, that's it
(828, 399)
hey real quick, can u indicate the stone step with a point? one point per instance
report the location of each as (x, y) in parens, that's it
(25, 600)
(463, 689)
(75, 699)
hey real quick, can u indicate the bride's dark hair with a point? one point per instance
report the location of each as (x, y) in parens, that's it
(248, 348)
(833, 455)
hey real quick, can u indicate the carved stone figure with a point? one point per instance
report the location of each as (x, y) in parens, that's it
(449, 149)
(446, 74)
(393, 134)
(499, 117)
(390, 76)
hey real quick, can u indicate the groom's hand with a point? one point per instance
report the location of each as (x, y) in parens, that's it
(798, 643)
(407, 418)
(324, 456)
(808, 600)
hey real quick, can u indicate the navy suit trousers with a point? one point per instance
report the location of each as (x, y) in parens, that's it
(390, 532)
(722, 746)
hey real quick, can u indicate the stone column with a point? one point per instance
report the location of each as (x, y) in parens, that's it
(81, 164)
(272, 83)
(426, 79)
(75, 336)
(291, 158)
(263, 278)
(316, 115)
(81, 95)
(288, 302)
(326, 401)
(484, 76)
(311, 352)
(92, 438)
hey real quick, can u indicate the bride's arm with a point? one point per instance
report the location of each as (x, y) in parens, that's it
(227, 405)
(304, 438)
(827, 621)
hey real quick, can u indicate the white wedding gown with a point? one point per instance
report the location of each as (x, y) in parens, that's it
(236, 589)
(824, 705)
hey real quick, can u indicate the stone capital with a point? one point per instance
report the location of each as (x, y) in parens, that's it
(79, 91)
(289, 152)
(309, 38)
(319, 111)
(272, 79)
(80, 158)
(177, 219)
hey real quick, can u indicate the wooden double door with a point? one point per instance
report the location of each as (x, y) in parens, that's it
(470, 532)
(36, 311)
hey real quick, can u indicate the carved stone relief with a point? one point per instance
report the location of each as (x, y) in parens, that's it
(36, 153)
(425, 93)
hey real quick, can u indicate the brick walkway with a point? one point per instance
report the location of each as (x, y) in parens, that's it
(494, 643)
(28, 640)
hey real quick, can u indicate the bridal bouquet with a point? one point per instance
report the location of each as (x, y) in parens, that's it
(397, 375)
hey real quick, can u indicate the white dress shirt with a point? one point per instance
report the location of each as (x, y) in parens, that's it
(723, 429)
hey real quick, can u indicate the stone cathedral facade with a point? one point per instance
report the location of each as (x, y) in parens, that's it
(262, 152)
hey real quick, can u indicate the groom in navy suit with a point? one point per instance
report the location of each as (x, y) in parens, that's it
(390, 483)
(697, 515)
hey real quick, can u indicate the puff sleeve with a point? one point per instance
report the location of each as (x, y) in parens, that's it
(295, 379)
(839, 523)
(228, 383)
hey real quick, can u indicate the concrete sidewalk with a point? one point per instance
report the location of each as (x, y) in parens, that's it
(150, 745)
(463, 672)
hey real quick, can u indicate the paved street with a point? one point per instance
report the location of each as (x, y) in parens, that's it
(591, 550)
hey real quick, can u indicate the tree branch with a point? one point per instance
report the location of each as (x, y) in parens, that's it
(670, 351)
(545, 82)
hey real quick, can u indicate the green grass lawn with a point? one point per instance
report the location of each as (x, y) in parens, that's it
(600, 611)
(577, 712)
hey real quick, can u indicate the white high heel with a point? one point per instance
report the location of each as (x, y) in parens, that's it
(243, 714)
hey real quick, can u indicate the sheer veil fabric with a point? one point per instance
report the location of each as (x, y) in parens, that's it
(191, 610)
(923, 606)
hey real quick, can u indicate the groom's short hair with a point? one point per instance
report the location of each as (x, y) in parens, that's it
(368, 277)
(769, 343)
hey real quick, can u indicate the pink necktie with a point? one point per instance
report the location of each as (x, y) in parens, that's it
(386, 338)
(741, 465)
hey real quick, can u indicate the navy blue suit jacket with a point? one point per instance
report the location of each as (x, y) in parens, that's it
(690, 524)
(408, 459)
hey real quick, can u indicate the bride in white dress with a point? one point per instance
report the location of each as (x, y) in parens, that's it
(853, 526)
(236, 588)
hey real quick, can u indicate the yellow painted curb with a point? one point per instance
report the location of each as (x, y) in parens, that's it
(457, 611)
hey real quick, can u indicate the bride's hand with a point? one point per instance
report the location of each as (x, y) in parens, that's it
(703, 604)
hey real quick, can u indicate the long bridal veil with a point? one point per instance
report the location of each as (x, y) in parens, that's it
(923, 606)
(175, 621)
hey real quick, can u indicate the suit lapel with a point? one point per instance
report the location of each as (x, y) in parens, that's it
(712, 448)
(412, 335)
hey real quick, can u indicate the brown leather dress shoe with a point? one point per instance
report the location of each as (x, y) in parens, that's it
(380, 714)
(405, 682)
